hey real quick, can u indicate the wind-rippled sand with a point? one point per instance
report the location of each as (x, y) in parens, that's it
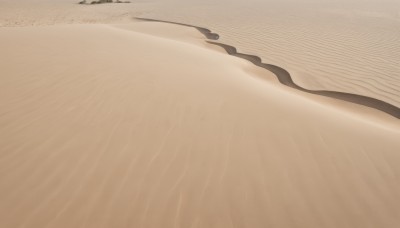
(339, 45)
(348, 46)
(144, 124)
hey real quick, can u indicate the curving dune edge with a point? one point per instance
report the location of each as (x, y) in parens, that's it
(285, 78)
(145, 125)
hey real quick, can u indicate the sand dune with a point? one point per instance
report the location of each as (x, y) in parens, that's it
(110, 122)
(347, 46)
(126, 126)
(286, 79)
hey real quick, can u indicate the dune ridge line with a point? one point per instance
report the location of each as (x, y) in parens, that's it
(285, 78)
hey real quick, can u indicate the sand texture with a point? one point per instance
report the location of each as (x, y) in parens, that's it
(285, 78)
(350, 46)
(146, 124)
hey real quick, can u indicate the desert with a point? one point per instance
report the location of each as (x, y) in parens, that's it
(169, 114)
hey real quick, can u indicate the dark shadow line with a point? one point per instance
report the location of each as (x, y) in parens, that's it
(285, 78)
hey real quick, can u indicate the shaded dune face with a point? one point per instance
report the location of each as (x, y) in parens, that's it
(142, 129)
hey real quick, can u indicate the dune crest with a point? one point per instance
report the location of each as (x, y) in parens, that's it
(285, 78)
(141, 129)
(109, 122)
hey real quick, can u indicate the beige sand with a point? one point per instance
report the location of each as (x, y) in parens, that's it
(145, 125)
(343, 45)
(350, 46)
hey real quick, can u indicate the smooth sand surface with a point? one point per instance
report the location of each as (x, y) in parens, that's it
(146, 125)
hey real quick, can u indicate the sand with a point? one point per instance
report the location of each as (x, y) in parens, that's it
(351, 46)
(145, 124)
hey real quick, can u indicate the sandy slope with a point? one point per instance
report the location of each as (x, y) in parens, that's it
(343, 45)
(131, 126)
(350, 46)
